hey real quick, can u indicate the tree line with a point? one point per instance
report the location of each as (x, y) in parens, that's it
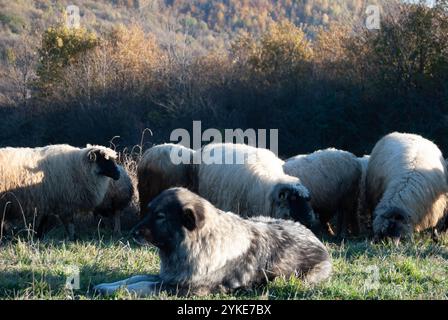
(344, 87)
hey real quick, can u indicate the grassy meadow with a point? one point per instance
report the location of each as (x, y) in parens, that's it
(362, 270)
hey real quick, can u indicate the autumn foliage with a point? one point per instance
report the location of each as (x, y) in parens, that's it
(343, 87)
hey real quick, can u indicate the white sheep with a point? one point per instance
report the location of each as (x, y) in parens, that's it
(60, 180)
(118, 197)
(250, 181)
(406, 185)
(160, 168)
(332, 176)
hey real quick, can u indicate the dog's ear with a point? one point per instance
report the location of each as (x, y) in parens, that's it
(192, 218)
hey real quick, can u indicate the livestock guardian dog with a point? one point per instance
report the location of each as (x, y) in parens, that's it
(205, 250)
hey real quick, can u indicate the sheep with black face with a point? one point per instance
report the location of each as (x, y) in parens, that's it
(406, 185)
(118, 197)
(205, 250)
(250, 181)
(53, 180)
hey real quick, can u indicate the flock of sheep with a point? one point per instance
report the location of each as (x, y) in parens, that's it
(400, 188)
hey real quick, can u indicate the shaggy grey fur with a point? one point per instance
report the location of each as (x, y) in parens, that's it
(205, 250)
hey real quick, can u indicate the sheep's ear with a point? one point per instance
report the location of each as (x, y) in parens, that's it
(192, 219)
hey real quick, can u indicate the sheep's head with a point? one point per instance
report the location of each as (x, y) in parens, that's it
(102, 160)
(292, 201)
(393, 224)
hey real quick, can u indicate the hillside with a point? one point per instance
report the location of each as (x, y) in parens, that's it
(211, 22)
(230, 64)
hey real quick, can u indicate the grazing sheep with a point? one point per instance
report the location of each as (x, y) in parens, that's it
(118, 197)
(406, 185)
(332, 177)
(157, 172)
(53, 180)
(204, 250)
(250, 181)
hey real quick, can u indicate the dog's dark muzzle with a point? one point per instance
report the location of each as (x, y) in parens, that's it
(141, 234)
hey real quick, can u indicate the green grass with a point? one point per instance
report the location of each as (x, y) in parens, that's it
(414, 270)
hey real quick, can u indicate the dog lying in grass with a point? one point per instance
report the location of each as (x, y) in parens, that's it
(204, 250)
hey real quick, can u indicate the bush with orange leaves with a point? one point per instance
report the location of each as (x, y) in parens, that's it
(122, 66)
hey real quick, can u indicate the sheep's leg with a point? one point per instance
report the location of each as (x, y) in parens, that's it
(352, 217)
(341, 223)
(71, 231)
(444, 224)
(117, 223)
(329, 230)
(42, 227)
(435, 235)
(324, 223)
(69, 226)
(440, 228)
(355, 224)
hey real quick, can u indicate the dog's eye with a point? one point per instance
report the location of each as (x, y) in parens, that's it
(160, 216)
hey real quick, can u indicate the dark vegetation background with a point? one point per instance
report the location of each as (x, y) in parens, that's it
(307, 67)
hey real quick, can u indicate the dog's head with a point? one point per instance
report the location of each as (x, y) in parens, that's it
(394, 224)
(102, 161)
(291, 201)
(170, 217)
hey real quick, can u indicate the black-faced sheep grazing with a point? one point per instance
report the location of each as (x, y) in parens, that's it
(204, 250)
(406, 185)
(160, 169)
(332, 177)
(118, 197)
(60, 180)
(250, 181)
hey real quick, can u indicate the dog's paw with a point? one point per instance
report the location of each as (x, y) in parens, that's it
(105, 289)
